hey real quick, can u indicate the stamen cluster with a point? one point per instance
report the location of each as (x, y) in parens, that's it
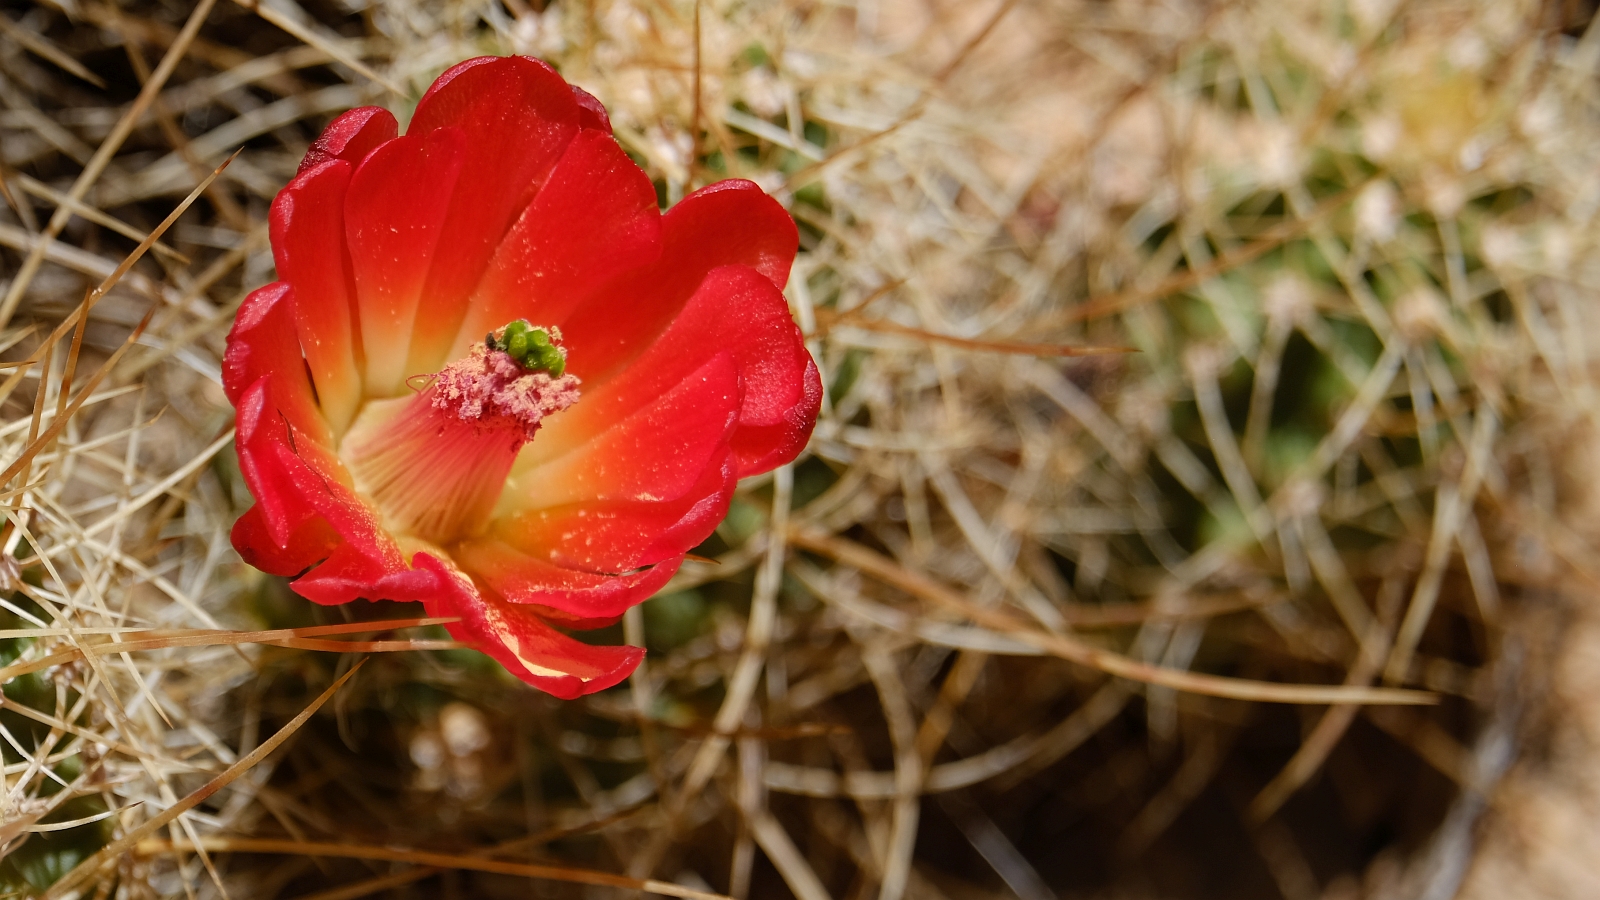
(492, 386)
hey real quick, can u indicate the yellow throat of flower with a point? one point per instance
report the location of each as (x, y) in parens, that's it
(433, 464)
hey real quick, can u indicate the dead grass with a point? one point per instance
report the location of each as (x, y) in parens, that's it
(1241, 613)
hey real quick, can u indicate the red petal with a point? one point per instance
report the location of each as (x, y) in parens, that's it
(307, 544)
(591, 112)
(528, 647)
(729, 223)
(367, 563)
(449, 75)
(263, 346)
(595, 217)
(305, 505)
(306, 511)
(658, 453)
(255, 343)
(262, 428)
(761, 445)
(394, 214)
(734, 222)
(352, 136)
(308, 246)
(737, 311)
(520, 578)
(348, 574)
(517, 115)
(619, 537)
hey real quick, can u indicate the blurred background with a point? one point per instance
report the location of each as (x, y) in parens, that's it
(1151, 623)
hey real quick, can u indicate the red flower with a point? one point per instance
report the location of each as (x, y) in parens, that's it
(387, 414)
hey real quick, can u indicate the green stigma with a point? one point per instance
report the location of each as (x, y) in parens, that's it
(533, 348)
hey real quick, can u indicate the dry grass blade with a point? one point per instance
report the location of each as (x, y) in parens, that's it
(426, 858)
(827, 319)
(149, 241)
(34, 665)
(47, 50)
(1320, 741)
(780, 848)
(80, 315)
(130, 841)
(1275, 237)
(277, 634)
(102, 157)
(373, 885)
(417, 873)
(23, 212)
(72, 823)
(43, 440)
(815, 170)
(856, 556)
(45, 192)
(298, 638)
(293, 24)
(1454, 505)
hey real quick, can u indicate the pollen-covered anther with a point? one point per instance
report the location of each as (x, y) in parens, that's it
(436, 465)
(491, 389)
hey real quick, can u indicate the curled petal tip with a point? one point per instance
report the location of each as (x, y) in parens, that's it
(351, 136)
(523, 641)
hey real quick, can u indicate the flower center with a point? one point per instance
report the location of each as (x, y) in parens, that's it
(434, 463)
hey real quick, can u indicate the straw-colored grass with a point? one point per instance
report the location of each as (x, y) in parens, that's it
(1206, 446)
